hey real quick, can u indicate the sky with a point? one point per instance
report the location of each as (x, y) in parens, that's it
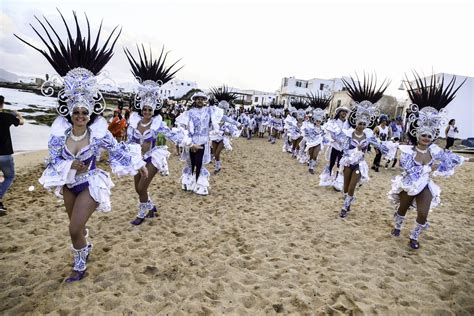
(254, 44)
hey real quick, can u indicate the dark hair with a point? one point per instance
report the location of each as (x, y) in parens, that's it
(450, 121)
(336, 117)
(2, 98)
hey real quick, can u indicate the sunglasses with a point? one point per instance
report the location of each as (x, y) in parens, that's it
(362, 124)
(84, 113)
(147, 110)
(427, 136)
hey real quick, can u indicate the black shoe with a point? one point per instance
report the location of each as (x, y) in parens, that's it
(2, 207)
(3, 212)
(414, 244)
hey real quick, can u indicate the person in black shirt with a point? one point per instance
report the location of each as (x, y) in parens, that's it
(6, 151)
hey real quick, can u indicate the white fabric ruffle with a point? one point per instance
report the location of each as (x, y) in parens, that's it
(137, 162)
(414, 189)
(159, 158)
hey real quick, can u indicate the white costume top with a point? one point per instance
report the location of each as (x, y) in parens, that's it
(416, 176)
(124, 160)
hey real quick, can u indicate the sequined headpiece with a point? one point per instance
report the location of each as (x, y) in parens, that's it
(427, 115)
(365, 96)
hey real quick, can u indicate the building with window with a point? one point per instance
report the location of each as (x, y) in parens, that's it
(292, 89)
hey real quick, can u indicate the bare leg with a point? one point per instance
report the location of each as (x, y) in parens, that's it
(355, 177)
(83, 208)
(347, 178)
(399, 216)
(144, 183)
(423, 202)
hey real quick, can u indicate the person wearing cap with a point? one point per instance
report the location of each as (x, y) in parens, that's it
(198, 122)
(334, 127)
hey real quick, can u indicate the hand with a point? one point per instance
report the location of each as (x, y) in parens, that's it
(144, 172)
(78, 165)
(435, 166)
(195, 147)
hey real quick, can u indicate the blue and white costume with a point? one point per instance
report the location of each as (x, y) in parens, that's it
(416, 177)
(198, 123)
(336, 137)
(124, 160)
(157, 155)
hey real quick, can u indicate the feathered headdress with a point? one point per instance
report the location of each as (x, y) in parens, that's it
(224, 96)
(78, 62)
(427, 113)
(151, 74)
(319, 102)
(365, 96)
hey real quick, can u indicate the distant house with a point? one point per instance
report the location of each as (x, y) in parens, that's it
(293, 89)
(177, 88)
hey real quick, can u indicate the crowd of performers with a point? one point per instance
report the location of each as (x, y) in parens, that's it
(205, 128)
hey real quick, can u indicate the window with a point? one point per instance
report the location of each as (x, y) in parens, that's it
(306, 86)
(256, 99)
(321, 86)
(285, 82)
(298, 83)
(182, 83)
(189, 84)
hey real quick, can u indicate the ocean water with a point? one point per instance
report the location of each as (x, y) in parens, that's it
(29, 136)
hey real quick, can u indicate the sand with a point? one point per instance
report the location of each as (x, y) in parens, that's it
(267, 240)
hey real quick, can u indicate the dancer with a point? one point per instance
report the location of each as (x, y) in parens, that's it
(198, 122)
(228, 127)
(363, 116)
(383, 132)
(414, 187)
(293, 124)
(145, 124)
(78, 133)
(333, 128)
(313, 134)
(276, 122)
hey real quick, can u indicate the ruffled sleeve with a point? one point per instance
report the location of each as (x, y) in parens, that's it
(230, 120)
(216, 116)
(125, 159)
(448, 161)
(58, 170)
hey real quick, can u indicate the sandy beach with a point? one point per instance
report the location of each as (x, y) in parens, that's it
(267, 240)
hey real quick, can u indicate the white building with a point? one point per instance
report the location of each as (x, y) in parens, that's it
(260, 98)
(462, 107)
(294, 89)
(176, 88)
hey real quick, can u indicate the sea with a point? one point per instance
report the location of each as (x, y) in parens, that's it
(28, 137)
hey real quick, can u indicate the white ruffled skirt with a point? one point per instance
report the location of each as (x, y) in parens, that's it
(414, 189)
(158, 156)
